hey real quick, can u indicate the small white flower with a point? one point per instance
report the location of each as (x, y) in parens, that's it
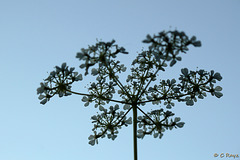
(126, 106)
(92, 142)
(155, 135)
(94, 117)
(129, 120)
(180, 124)
(94, 71)
(79, 77)
(44, 101)
(197, 44)
(218, 94)
(85, 99)
(218, 76)
(177, 119)
(41, 97)
(184, 71)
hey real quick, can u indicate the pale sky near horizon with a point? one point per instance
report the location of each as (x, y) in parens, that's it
(36, 35)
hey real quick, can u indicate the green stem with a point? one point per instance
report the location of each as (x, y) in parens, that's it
(164, 98)
(123, 116)
(146, 115)
(84, 94)
(135, 131)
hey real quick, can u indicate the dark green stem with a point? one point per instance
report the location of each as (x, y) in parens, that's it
(84, 94)
(135, 131)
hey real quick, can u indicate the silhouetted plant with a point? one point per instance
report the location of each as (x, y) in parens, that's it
(164, 49)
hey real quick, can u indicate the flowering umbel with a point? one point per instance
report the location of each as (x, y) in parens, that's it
(142, 85)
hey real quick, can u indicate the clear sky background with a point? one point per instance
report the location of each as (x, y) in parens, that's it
(36, 35)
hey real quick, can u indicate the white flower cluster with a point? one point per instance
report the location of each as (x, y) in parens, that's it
(58, 82)
(159, 122)
(167, 45)
(107, 124)
(102, 54)
(196, 84)
(100, 92)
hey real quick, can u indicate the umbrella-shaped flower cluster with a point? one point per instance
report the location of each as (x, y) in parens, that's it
(142, 86)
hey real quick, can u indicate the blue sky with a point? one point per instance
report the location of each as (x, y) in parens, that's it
(36, 35)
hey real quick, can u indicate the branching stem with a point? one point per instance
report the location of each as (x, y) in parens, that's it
(84, 94)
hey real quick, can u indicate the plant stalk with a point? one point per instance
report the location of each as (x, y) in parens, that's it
(135, 131)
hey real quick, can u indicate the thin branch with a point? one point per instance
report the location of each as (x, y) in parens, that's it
(164, 97)
(117, 81)
(146, 115)
(142, 82)
(124, 116)
(106, 99)
(151, 80)
(141, 93)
